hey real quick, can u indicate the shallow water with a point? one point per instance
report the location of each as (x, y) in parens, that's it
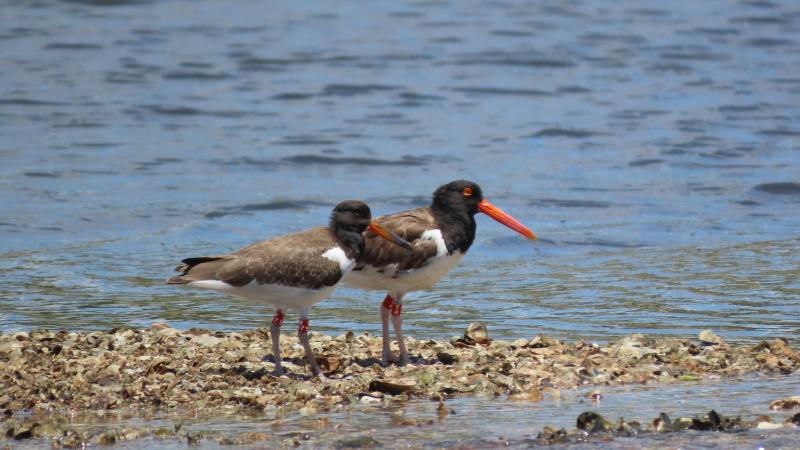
(481, 422)
(653, 148)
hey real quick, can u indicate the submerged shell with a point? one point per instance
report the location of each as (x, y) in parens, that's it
(785, 404)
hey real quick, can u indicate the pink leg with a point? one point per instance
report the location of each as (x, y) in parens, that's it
(275, 334)
(386, 355)
(302, 333)
(397, 321)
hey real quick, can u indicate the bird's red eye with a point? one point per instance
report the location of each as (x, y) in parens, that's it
(467, 192)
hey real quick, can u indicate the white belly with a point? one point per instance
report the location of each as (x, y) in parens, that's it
(277, 295)
(392, 281)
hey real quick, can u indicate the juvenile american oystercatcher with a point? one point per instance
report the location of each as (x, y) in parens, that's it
(293, 271)
(440, 233)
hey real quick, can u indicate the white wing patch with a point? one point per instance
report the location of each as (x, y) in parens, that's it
(336, 254)
(436, 236)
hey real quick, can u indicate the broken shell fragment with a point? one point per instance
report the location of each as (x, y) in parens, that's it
(785, 404)
(446, 358)
(592, 422)
(708, 337)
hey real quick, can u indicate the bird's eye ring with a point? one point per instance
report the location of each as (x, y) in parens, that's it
(467, 192)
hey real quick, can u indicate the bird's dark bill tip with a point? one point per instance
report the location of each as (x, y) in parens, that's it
(387, 234)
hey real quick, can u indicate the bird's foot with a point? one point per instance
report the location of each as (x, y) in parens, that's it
(314, 367)
(404, 360)
(317, 373)
(388, 358)
(322, 378)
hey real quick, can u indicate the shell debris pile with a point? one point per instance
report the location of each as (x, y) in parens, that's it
(199, 369)
(48, 376)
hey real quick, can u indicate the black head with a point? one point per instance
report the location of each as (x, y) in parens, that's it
(459, 201)
(458, 196)
(350, 219)
(351, 215)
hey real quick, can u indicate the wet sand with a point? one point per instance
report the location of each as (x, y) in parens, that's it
(47, 376)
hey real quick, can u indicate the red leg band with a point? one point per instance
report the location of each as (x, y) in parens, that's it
(388, 302)
(397, 309)
(277, 319)
(303, 328)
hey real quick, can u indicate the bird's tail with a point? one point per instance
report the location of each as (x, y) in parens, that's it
(187, 265)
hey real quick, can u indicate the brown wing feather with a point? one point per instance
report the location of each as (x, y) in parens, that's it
(410, 225)
(291, 260)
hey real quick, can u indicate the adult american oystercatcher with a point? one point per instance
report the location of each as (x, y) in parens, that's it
(293, 271)
(440, 233)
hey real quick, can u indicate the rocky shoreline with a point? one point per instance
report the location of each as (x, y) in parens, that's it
(161, 368)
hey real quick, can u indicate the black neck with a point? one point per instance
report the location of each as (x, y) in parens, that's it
(457, 226)
(351, 242)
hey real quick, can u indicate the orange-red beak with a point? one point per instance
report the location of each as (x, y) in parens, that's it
(389, 235)
(499, 215)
